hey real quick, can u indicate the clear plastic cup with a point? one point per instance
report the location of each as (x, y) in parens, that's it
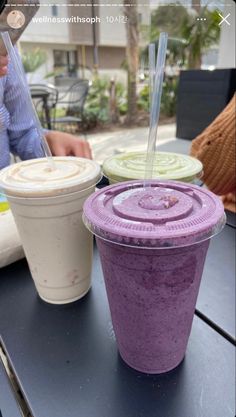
(47, 207)
(166, 166)
(153, 244)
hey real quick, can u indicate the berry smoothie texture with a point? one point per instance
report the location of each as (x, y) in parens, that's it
(153, 243)
(152, 296)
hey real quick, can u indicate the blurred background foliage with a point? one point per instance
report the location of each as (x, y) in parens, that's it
(33, 60)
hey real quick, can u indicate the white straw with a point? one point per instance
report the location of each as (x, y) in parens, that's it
(155, 108)
(25, 91)
(152, 66)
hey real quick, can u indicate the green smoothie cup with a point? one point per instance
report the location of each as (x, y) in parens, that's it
(167, 166)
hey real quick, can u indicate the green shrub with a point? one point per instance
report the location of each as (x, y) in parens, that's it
(168, 99)
(96, 105)
(32, 60)
(96, 111)
(169, 96)
(143, 99)
(121, 98)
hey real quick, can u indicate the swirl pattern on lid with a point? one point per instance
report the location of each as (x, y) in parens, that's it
(165, 214)
(36, 178)
(167, 165)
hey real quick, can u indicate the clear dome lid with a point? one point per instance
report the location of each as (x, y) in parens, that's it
(165, 214)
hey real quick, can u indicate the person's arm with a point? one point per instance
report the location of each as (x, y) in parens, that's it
(65, 144)
(3, 65)
(23, 136)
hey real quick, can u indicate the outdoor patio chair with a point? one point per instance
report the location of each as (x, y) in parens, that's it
(45, 98)
(73, 101)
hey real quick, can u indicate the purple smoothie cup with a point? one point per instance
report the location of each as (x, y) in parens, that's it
(153, 243)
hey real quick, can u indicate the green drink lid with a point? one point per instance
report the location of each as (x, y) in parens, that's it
(167, 166)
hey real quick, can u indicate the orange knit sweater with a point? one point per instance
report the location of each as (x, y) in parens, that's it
(215, 148)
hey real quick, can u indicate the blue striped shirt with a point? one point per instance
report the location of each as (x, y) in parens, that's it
(17, 130)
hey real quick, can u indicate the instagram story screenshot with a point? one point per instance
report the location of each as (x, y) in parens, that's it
(117, 208)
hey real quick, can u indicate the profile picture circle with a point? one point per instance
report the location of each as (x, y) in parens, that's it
(16, 19)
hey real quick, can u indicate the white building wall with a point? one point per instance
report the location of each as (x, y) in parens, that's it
(47, 32)
(41, 75)
(145, 11)
(112, 27)
(227, 39)
(112, 32)
(51, 36)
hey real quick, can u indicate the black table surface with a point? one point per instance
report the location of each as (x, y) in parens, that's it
(216, 298)
(8, 404)
(66, 361)
(231, 218)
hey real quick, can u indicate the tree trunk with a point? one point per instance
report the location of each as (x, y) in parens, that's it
(114, 116)
(196, 5)
(194, 62)
(132, 54)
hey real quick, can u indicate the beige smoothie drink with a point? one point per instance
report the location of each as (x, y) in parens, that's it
(166, 166)
(47, 207)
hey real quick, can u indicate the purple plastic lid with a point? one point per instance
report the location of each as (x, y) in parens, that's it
(166, 214)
